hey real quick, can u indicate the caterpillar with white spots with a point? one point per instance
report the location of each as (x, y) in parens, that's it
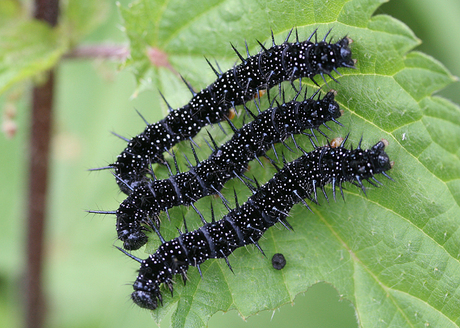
(230, 160)
(269, 204)
(284, 62)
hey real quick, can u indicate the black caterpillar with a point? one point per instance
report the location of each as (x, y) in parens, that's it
(284, 62)
(226, 162)
(269, 204)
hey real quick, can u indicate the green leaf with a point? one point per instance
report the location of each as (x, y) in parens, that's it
(27, 47)
(394, 254)
(80, 17)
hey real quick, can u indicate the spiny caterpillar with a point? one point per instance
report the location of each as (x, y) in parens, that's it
(230, 160)
(268, 205)
(271, 66)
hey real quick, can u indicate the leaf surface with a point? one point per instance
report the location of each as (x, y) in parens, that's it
(394, 254)
(29, 47)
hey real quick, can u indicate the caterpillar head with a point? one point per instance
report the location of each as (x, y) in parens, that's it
(158, 269)
(364, 164)
(333, 108)
(133, 239)
(147, 299)
(147, 285)
(380, 160)
(312, 113)
(345, 52)
(129, 229)
(330, 56)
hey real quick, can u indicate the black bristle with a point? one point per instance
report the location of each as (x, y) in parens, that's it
(142, 117)
(119, 136)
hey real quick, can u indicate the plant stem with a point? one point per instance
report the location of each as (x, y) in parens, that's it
(42, 103)
(106, 51)
(47, 10)
(38, 178)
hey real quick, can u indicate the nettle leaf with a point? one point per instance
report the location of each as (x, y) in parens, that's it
(394, 254)
(80, 17)
(29, 47)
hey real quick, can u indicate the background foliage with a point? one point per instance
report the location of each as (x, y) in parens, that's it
(85, 275)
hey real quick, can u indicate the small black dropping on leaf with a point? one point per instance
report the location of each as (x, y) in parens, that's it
(278, 261)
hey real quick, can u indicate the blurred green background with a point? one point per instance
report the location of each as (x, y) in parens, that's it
(87, 281)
